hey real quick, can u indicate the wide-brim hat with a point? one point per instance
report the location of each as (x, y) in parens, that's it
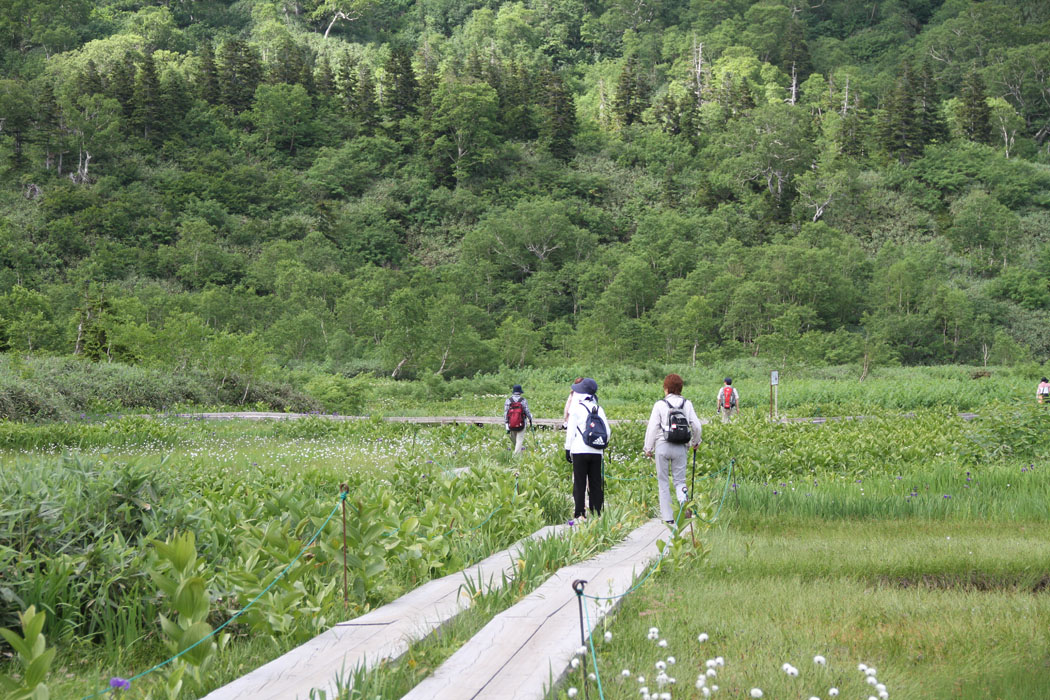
(516, 388)
(586, 386)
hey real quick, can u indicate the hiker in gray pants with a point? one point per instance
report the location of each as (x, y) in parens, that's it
(671, 457)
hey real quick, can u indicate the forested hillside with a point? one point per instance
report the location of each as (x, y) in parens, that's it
(448, 186)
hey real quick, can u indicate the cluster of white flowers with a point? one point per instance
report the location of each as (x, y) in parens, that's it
(664, 682)
(871, 679)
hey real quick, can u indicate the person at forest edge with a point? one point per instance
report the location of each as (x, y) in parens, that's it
(728, 400)
(671, 456)
(515, 413)
(569, 402)
(586, 461)
(1043, 390)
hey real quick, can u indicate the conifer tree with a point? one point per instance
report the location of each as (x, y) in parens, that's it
(347, 79)
(930, 125)
(325, 78)
(794, 56)
(974, 111)
(400, 88)
(898, 129)
(367, 107)
(121, 85)
(46, 123)
(558, 126)
(287, 64)
(146, 111)
(89, 82)
(428, 83)
(239, 72)
(207, 81)
(629, 101)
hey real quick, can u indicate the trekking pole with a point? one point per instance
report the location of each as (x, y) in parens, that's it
(692, 478)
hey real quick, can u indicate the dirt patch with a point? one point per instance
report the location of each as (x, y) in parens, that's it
(974, 581)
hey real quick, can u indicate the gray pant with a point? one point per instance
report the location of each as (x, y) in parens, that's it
(673, 458)
(517, 440)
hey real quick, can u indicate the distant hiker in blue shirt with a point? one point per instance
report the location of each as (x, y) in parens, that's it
(515, 414)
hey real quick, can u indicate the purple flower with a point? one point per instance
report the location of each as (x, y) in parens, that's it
(947, 496)
(117, 683)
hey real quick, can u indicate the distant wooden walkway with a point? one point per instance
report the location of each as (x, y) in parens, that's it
(551, 423)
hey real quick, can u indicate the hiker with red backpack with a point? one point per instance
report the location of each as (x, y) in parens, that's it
(727, 400)
(673, 428)
(515, 414)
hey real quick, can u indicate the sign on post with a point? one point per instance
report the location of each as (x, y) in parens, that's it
(774, 389)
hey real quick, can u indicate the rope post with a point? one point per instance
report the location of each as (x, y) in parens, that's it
(692, 477)
(736, 487)
(344, 491)
(577, 587)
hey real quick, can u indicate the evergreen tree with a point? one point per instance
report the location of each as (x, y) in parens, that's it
(667, 114)
(930, 125)
(898, 129)
(47, 122)
(147, 107)
(628, 101)
(287, 65)
(367, 107)
(558, 126)
(794, 55)
(428, 83)
(89, 82)
(325, 78)
(400, 88)
(176, 97)
(239, 72)
(207, 81)
(516, 102)
(974, 110)
(347, 79)
(121, 85)
(851, 134)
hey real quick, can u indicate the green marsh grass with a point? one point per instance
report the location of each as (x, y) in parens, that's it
(946, 597)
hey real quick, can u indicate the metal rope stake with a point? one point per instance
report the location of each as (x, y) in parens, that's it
(577, 586)
(344, 490)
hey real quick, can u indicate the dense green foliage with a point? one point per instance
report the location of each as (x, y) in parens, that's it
(459, 185)
(111, 539)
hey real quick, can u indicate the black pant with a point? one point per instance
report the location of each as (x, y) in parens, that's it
(587, 473)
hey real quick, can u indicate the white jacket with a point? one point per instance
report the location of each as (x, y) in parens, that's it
(654, 432)
(578, 414)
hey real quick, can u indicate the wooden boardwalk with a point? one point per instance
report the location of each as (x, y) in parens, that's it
(552, 423)
(519, 652)
(380, 635)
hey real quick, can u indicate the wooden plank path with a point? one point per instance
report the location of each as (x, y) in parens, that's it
(554, 423)
(380, 635)
(521, 650)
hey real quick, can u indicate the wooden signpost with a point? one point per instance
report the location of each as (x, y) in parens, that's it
(774, 385)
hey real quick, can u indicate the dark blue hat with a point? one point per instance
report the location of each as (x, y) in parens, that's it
(516, 389)
(586, 386)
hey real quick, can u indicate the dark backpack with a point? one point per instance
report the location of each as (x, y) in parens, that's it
(594, 432)
(516, 415)
(677, 431)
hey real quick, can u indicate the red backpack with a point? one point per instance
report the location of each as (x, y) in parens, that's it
(516, 415)
(727, 397)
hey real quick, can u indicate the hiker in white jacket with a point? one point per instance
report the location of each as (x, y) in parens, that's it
(586, 461)
(671, 457)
